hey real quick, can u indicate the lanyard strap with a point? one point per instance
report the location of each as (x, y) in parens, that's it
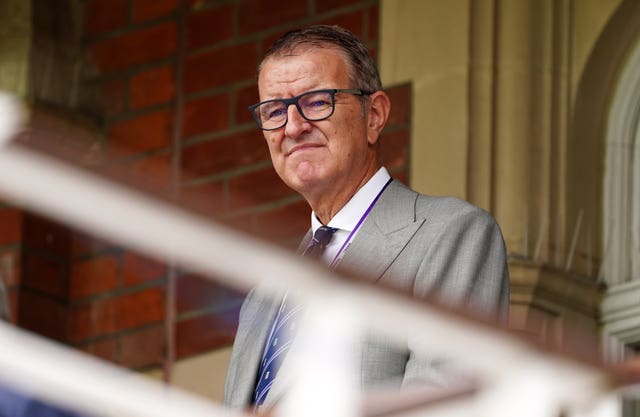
(355, 229)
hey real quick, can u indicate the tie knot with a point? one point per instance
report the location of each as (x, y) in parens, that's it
(320, 240)
(323, 235)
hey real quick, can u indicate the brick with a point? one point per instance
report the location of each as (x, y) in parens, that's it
(395, 149)
(134, 48)
(64, 134)
(94, 276)
(137, 269)
(42, 314)
(353, 21)
(105, 97)
(199, 26)
(118, 313)
(245, 97)
(45, 235)
(83, 245)
(400, 104)
(284, 224)
(152, 87)
(10, 225)
(199, 4)
(114, 96)
(255, 188)
(144, 133)
(258, 15)
(327, 5)
(105, 15)
(143, 348)
(374, 22)
(104, 349)
(13, 296)
(244, 223)
(144, 10)
(10, 267)
(204, 333)
(374, 53)
(223, 154)
(197, 293)
(44, 274)
(270, 40)
(221, 66)
(152, 173)
(207, 198)
(206, 114)
(118, 170)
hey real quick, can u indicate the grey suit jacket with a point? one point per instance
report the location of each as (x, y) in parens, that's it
(427, 246)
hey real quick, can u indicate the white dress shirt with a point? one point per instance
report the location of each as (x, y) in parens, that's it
(350, 215)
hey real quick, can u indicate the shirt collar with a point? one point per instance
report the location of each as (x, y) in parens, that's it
(351, 213)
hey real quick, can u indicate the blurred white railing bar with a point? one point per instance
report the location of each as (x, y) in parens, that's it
(61, 376)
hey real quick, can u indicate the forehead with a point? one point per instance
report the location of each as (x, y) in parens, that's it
(300, 70)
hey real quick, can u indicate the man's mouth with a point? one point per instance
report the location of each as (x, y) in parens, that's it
(303, 147)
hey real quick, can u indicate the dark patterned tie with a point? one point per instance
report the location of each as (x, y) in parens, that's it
(281, 337)
(319, 241)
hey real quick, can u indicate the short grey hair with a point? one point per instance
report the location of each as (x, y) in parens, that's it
(363, 73)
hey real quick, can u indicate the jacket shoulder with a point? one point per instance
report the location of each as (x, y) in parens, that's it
(436, 207)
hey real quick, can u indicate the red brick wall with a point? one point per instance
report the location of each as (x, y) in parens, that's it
(110, 301)
(11, 255)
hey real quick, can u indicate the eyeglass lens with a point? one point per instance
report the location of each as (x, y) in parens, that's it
(314, 106)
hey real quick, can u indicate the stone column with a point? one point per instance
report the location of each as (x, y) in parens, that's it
(15, 38)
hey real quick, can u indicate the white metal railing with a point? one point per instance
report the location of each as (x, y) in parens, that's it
(513, 377)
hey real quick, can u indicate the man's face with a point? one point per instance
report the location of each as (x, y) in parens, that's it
(322, 157)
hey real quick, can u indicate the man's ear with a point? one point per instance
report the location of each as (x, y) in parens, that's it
(379, 108)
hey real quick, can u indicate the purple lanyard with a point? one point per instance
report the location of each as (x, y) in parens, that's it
(355, 229)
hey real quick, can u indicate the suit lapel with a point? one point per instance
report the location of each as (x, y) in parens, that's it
(386, 231)
(261, 308)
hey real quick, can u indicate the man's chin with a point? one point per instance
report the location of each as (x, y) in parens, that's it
(304, 176)
(307, 184)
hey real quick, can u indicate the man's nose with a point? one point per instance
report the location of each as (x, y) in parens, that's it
(296, 124)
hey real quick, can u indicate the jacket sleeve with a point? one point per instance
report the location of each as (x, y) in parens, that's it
(465, 267)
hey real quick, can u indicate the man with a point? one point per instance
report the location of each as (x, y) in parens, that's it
(322, 110)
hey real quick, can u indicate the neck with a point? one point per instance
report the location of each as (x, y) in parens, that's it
(327, 204)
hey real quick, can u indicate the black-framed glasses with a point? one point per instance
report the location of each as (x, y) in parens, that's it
(313, 106)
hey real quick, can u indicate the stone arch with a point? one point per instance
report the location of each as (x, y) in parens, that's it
(612, 123)
(621, 202)
(587, 143)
